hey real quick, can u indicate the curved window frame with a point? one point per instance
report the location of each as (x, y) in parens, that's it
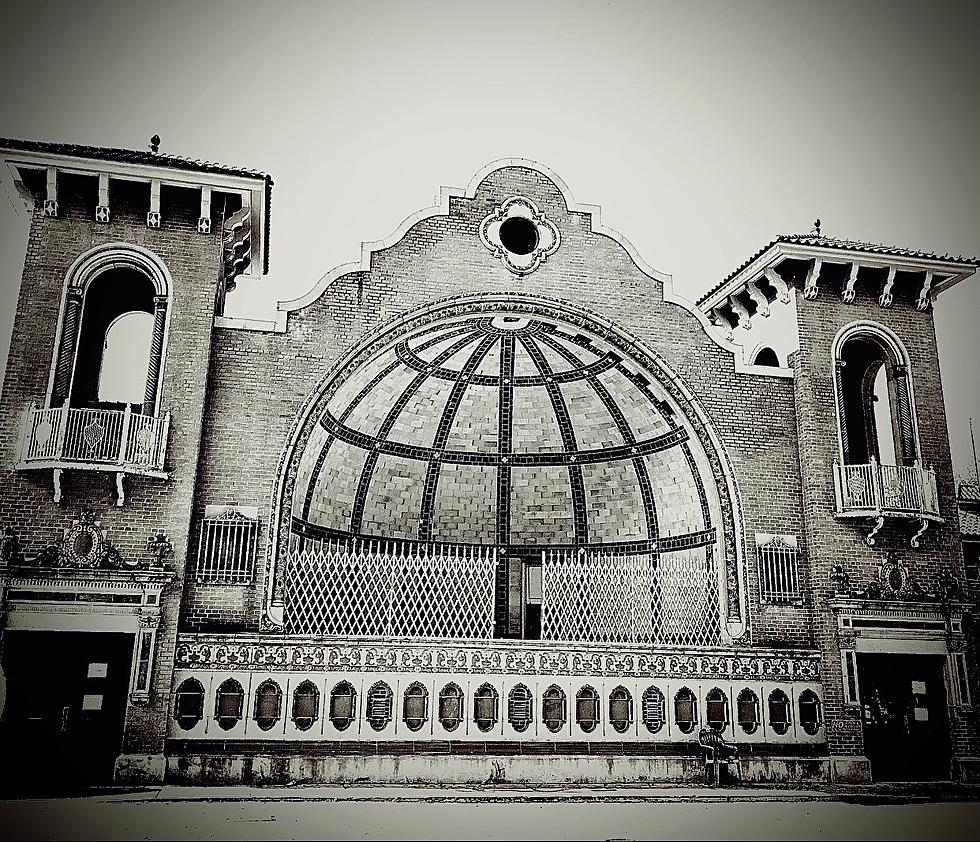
(620, 695)
(268, 689)
(686, 726)
(896, 358)
(342, 690)
(809, 699)
(452, 692)
(415, 691)
(654, 705)
(229, 688)
(585, 696)
(308, 690)
(520, 708)
(379, 705)
(776, 725)
(187, 720)
(483, 719)
(86, 269)
(748, 696)
(552, 697)
(716, 696)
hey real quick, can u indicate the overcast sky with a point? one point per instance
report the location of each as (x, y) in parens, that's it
(701, 129)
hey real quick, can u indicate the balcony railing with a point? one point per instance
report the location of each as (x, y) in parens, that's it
(877, 490)
(99, 439)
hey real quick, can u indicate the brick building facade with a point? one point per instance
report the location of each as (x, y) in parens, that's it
(493, 503)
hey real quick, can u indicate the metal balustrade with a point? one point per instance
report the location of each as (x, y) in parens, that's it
(876, 489)
(106, 439)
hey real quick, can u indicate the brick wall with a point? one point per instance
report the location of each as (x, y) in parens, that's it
(26, 497)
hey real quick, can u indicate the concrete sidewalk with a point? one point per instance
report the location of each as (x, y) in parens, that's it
(504, 793)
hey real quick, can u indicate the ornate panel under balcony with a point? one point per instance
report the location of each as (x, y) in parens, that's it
(76, 438)
(878, 491)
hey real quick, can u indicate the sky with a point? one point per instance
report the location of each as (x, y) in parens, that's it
(702, 129)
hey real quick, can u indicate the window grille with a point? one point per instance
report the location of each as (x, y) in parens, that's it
(519, 708)
(189, 703)
(779, 719)
(779, 575)
(748, 711)
(306, 705)
(415, 710)
(620, 710)
(716, 710)
(618, 598)
(451, 707)
(268, 705)
(228, 544)
(587, 709)
(379, 699)
(485, 707)
(384, 589)
(654, 709)
(554, 709)
(342, 705)
(228, 704)
(809, 712)
(685, 710)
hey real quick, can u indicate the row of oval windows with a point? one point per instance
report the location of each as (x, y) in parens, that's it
(230, 701)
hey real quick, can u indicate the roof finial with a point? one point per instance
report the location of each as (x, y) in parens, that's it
(816, 226)
(155, 143)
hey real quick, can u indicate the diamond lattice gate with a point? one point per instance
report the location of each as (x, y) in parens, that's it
(382, 590)
(618, 598)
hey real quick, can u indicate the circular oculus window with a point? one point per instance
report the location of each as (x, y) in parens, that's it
(519, 235)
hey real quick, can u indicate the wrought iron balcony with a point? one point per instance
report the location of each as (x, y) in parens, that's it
(878, 491)
(121, 441)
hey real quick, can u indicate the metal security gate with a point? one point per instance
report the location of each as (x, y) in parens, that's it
(619, 598)
(383, 589)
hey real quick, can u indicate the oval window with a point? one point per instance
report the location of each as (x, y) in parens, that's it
(416, 706)
(451, 707)
(685, 710)
(342, 700)
(189, 703)
(779, 719)
(587, 709)
(485, 707)
(748, 711)
(228, 703)
(306, 705)
(654, 709)
(553, 712)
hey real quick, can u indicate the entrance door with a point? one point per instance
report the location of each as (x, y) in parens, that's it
(65, 709)
(906, 722)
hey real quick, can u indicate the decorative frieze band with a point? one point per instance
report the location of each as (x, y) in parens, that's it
(194, 651)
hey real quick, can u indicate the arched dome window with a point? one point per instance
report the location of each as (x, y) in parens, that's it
(620, 710)
(268, 705)
(451, 706)
(306, 705)
(189, 703)
(228, 704)
(415, 711)
(654, 709)
(554, 709)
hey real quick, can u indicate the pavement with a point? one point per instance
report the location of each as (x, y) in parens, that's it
(943, 811)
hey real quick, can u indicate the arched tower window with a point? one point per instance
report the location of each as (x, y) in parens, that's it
(766, 356)
(874, 399)
(110, 347)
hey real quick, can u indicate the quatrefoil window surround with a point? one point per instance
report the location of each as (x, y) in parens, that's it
(520, 235)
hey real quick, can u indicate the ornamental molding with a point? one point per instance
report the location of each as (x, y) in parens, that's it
(84, 546)
(214, 653)
(894, 582)
(547, 238)
(443, 208)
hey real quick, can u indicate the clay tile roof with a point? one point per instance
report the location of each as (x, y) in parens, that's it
(129, 156)
(969, 523)
(160, 159)
(969, 492)
(843, 245)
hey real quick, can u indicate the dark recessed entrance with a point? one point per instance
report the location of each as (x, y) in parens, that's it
(62, 724)
(906, 721)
